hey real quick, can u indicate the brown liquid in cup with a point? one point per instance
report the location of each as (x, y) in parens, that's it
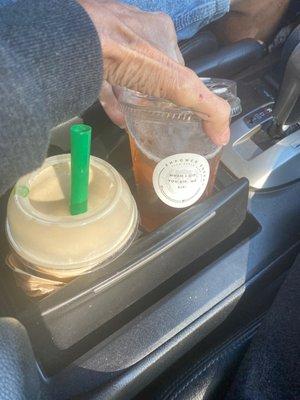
(153, 212)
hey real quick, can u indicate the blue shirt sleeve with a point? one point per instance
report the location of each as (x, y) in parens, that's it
(188, 15)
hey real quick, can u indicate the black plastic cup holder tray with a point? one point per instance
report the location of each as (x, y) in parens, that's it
(67, 319)
(62, 326)
(90, 301)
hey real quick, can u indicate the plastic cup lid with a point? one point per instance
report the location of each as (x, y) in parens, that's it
(224, 88)
(63, 245)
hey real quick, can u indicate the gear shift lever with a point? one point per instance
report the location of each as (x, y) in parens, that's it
(288, 95)
(271, 163)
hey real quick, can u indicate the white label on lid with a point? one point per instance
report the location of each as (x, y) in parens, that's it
(180, 180)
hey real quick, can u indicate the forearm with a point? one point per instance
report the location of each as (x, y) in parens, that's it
(50, 70)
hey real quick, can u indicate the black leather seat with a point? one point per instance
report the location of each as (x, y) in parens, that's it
(20, 378)
(197, 378)
(203, 375)
(204, 55)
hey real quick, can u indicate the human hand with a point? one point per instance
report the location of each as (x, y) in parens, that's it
(134, 44)
(155, 28)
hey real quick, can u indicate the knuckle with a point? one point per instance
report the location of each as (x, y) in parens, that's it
(222, 108)
(169, 25)
(225, 109)
(166, 21)
(188, 81)
(184, 86)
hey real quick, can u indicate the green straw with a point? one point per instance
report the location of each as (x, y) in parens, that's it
(80, 165)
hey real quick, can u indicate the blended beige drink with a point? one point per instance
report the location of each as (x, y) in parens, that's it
(52, 244)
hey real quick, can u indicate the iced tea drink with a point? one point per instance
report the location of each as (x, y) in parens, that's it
(174, 162)
(153, 211)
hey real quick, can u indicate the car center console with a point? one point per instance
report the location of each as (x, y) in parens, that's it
(264, 145)
(219, 263)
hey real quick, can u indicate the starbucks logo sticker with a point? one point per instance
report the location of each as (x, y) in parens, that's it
(180, 180)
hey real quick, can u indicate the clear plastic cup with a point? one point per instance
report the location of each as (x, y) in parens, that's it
(33, 283)
(49, 244)
(174, 162)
